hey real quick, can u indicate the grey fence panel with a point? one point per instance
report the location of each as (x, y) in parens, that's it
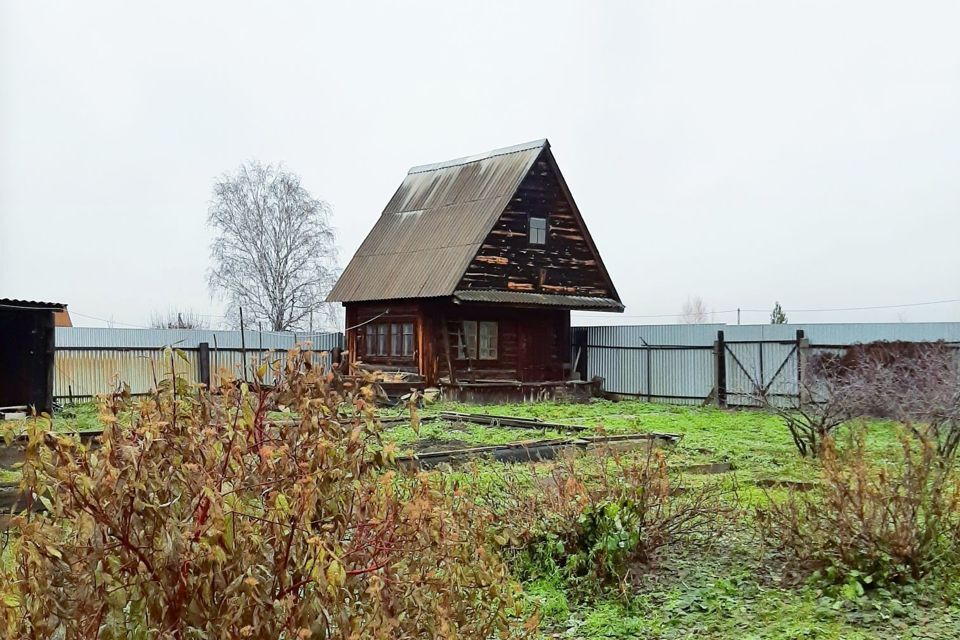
(682, 376)
(85, 373)
(229, 364)
(762, 369)
(89, 362)
(676, 363)
(782, 373)
(623, 370)
(743, 373)
(669, 363)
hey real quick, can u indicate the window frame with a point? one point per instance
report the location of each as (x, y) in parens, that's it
(493, 340)
(541, 240)
(383, 342)
(396, 338)
(466, 340)
(408, 340)
(467, 345)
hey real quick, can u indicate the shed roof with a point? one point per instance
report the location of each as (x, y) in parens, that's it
(433, 226)
(30, 305)
(526, 298)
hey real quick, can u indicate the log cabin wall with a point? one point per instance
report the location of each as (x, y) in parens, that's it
(532, 344)
(389, 315)
(564, 265)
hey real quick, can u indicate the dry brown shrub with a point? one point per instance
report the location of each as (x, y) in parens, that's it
(595, 516)
(207, 518)
(870, 522)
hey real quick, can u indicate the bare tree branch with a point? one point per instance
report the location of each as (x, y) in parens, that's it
(173, 319)
(913, 383)
(694, 311)
(275, 252)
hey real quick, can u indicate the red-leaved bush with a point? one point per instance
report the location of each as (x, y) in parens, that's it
(212, 515)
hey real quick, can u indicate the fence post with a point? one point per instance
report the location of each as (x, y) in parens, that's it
(203, 362)
(243, 345)
(649, 372)
(803, 355)
(720, 370)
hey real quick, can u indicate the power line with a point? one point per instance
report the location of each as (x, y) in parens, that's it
(882, 306)
(126, 324)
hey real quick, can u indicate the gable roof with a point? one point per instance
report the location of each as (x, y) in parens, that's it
(434, 225)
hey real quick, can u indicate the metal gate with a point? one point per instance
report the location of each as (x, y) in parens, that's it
(755, 371)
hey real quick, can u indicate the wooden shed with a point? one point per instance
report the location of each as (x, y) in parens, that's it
(27, 341)
(471, 271)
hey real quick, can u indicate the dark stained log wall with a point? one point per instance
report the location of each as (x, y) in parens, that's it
(389, 312)
(533, 345)
(565, 265)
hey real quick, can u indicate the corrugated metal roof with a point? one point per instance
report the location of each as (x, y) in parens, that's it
(433, 225)
(12, 303)
(539, 299)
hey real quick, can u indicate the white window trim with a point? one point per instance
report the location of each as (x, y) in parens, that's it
(467, 345)
(531, 229)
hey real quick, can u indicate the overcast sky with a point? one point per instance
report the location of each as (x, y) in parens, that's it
(743, 152)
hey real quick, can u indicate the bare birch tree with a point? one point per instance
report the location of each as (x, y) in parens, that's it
(694, 311)
(274, 253)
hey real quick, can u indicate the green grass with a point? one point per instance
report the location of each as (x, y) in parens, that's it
(438, 432)
(74, 417)
(732, 589)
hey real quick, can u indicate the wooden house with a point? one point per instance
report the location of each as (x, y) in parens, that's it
(470, 273)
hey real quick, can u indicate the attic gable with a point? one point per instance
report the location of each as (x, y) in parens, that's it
(566, 264)
(459, 228)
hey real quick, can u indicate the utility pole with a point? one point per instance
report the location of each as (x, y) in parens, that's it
(738, 315)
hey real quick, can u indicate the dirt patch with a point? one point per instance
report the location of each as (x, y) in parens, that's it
(430, 445)
(796, 485)
(711, 468)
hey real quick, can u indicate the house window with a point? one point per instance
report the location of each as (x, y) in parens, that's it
(395, 340)
(389, 339)
(407, 343)
(382, 340)
(487, 348)
(477, 340)
(467, 340)
(370, 343)
(538, 231)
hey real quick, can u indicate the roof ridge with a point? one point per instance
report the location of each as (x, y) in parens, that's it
(456, 162)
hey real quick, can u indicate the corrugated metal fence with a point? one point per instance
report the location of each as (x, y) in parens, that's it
(90, 361)
(681, 364)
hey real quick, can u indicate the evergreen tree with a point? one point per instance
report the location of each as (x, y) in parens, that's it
(777, 316)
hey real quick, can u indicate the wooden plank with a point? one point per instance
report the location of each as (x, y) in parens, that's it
(508, 422)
